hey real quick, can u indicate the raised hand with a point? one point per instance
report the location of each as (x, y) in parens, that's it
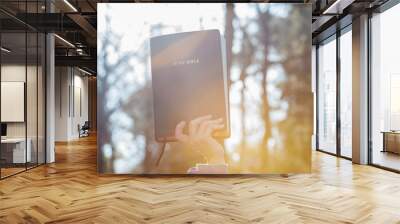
(199, 136)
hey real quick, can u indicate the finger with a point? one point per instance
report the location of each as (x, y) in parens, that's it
(205, 124)
(179, 132)
(212, 128)
(194, 124)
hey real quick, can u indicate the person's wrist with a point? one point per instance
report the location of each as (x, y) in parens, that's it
(203, 144)
(211, 150)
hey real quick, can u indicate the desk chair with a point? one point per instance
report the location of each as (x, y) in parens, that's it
(84, 130)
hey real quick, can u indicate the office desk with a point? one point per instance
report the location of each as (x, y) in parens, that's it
(13, 150)
(391, 141)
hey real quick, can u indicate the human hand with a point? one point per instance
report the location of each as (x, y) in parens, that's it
(199, 135)
(200, 129)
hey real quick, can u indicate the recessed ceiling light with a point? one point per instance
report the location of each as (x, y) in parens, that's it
(65, 41)
(84, 71)
(5, 50)
(70, 5)
(337, 7)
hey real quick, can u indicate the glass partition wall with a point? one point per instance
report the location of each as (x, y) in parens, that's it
(13, 110)
(385, 90)
(334, 94)
(22, 78)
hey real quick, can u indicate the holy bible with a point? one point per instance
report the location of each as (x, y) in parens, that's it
(189, 80)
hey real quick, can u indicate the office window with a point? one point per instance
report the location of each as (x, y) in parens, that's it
(327, 96)
(346, 93)
(385, 89)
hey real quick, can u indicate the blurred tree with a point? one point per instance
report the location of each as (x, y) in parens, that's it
(246, 55)
(279, 42)
(115, 64)
(229, 17)
(264, 20)
(296, 89)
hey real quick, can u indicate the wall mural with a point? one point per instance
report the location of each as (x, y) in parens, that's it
(204, 88)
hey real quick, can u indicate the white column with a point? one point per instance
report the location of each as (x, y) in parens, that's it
(50, 99)
(50, 92)
(314, 92)
(360, 90)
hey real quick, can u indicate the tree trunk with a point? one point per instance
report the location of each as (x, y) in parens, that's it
(229, 16)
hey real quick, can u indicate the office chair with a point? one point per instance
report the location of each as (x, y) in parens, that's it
(84, 130)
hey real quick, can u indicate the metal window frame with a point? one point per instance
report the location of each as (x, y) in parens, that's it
(387, 5)
(339, 32)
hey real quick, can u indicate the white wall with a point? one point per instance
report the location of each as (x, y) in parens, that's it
(81, 94)
(70, 84)
(11, 73)
(16, 73)
(61, 103)
(33, 126)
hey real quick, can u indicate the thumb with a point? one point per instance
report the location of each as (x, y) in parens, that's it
(179, 132)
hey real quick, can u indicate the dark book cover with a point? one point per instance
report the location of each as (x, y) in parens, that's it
(189, 80)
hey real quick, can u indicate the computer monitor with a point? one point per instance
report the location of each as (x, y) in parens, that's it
(3, 129)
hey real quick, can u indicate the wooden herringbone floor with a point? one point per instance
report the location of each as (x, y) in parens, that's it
(70, 191)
